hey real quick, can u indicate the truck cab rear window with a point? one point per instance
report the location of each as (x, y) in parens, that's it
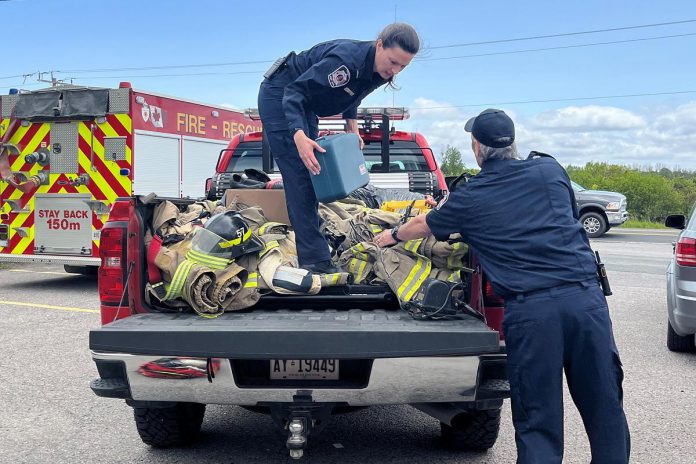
(245, 156)
(404, 157)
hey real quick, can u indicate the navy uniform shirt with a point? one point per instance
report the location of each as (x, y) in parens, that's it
(521, 219)
(330, 78)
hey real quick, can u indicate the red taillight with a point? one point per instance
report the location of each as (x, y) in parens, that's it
(686, 252)
(111, 271)
(491, 299)
(493, 308)
(119, 210)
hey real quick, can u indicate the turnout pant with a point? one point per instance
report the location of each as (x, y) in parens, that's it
(299, 192)
(565, 328)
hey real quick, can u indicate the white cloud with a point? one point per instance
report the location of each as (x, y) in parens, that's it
(425, 108)
(579, 134)
(230, 106)
(588, 118)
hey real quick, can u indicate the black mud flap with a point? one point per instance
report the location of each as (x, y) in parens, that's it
(300, 334)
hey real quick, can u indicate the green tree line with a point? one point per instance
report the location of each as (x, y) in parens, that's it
(652, 194)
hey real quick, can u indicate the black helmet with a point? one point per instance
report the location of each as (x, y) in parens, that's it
(226, 235)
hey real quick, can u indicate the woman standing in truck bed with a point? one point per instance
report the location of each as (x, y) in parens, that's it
(330, 78)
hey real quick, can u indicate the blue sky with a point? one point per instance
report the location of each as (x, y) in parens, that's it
(78, 37)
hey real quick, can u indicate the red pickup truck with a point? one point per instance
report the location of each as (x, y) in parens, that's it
(168, 365)
(396, 159)
(351, 347)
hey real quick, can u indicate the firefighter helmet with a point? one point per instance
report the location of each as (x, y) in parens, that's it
(226, 235)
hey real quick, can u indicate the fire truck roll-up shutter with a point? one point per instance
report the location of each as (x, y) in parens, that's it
(199, 156)
(63, 224)
(157, 164)
(82, 103)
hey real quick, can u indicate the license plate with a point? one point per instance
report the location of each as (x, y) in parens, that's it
(304, 369)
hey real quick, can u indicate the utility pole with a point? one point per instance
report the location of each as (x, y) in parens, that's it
(53, 81)
(392, 90)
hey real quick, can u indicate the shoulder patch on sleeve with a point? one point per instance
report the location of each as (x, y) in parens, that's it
(339, 77)
(442, 202)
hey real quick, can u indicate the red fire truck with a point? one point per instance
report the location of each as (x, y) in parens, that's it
(69, 152)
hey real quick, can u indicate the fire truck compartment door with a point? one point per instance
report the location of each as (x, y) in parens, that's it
(64, 154)
(199, 159)
(157, 164)
(62, 224)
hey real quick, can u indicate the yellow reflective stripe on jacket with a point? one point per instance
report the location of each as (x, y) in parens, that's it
(210, 316)
(252, 280)
(357, 268)
(236, 241)
(361, 270)
(178, 280)
(418, 273)
(451, 258)
(360, 252)
(413, 245)
(375, 229)
(213, 262)
(453, 276)
(331, 279)
(269, 246)
(270, 225)
(415, 278)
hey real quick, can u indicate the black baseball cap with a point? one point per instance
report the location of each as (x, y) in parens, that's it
(492, 128)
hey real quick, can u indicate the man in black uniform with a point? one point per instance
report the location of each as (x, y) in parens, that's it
(521, 219)
(328, 79)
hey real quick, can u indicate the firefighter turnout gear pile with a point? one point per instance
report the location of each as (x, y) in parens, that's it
(405, 266)
(213, 259)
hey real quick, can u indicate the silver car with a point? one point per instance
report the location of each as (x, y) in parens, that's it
(681, 285)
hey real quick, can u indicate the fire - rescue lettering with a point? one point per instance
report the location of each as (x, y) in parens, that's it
(230, 129)
(190, 123)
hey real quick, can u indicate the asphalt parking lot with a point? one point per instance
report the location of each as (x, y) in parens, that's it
(49, 414)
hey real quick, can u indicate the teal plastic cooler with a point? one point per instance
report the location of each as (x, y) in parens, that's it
(343, 167)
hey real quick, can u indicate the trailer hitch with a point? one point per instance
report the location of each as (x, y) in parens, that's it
(300, 418)
(297, 437)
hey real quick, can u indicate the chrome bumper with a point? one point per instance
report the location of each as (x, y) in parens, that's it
(392, 381)
(617, 218)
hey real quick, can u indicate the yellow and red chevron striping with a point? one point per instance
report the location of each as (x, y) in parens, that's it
(16, 239)
(105, 180)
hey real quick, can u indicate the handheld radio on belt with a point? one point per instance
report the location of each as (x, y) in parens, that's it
(602, 276)
(277, 65)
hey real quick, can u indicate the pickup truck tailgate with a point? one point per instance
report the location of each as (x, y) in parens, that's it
(295, 334)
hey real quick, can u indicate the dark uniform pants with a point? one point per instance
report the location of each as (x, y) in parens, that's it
(564, 328)
(299, 193)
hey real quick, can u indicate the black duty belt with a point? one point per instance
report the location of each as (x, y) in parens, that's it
(552, 290)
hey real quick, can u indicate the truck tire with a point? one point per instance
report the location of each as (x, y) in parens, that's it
(594, 224)
(84, 270)
(676, 342)
(172, 426)
(474, 430)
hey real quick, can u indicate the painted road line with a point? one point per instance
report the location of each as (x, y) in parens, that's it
(45, 306)
(617, 234)
(39, 272)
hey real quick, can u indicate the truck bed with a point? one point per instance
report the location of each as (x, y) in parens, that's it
(295, 334)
